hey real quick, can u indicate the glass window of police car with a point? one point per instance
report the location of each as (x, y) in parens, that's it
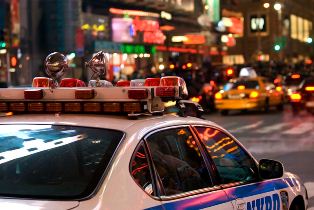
(54, 161)
(177, 161)
(232, 162)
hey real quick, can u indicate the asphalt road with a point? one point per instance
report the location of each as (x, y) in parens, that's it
(276, 135)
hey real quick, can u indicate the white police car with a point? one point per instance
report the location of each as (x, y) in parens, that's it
(58, 150)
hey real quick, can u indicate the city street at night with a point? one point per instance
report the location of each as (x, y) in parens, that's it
(276, 135)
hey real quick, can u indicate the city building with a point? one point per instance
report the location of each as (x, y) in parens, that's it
(272, 30)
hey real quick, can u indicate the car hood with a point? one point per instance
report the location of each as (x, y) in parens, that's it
(19, 204)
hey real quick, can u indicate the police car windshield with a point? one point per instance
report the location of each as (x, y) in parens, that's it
(248, 84)
(54, 161)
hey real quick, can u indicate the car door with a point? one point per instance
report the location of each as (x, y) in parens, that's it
(184, 178)
(238, 172)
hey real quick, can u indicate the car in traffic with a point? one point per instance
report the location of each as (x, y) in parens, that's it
(291, 83)
(247, 93)
(303, 97)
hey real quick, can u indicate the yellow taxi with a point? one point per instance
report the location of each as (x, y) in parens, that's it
(246, 93)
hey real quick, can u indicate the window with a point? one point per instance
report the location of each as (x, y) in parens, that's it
(53, 161)
(232, 162)
(178, 161)
(140, 170)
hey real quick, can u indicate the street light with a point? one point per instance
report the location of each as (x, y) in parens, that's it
(266, 5)
(277, 6)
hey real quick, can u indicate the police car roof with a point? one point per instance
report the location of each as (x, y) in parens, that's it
(105, 121)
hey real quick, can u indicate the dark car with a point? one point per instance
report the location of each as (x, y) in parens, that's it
(303, 97)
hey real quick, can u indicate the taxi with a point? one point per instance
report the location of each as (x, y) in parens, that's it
(246, 93)
(109, 147)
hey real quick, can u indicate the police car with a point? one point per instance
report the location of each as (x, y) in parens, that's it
(77, 148)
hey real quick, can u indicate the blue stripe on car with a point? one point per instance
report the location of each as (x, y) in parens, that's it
(219, 197)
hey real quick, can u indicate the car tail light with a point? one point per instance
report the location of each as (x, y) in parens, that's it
(33, 94)
(218, 96)
(72, 107)
(42, 82)
(137, 93)
(278, 88)
(112, 107)
(123, 83)
(3, 107)
(132, 107)
(196, 99)
(53, 107)
(295, 76)
(92, 107)
(309, 88)
(152, 82)
(254, 94)
(295, 97)
(36, 107)
(17, 107)
(84, 94)
(165, 91)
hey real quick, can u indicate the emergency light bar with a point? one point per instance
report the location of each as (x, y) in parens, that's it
(147, 97)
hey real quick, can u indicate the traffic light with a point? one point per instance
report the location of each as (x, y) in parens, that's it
(280, 43)
(13, 61)
(3, 44)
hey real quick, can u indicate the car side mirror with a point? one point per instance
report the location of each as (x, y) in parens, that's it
(270, 169)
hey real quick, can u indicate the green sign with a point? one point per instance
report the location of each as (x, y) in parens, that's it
(137, 49)
(213, 10)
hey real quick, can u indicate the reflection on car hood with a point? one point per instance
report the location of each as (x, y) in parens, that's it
(17, 204)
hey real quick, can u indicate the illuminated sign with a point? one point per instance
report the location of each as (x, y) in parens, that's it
(133, 13)
(194, 39)
(128, 30)
(137, 49)
(258, 23)
(213, 10)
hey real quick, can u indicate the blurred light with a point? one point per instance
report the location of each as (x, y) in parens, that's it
(241, 87)
(28, 58)
(309, 40)
(167, 28)
(277, 6)
(266, 5)
(12, 70)
(196, 99)
(218, 96)
(13, 61)
(206, 7)
(141, 55)
(124, 56)
(278, 88)
(161, 67)
(277, 47)
(165, 15)
(71, 56)
(309, 88)
(229, 72)
(3, 51)
(295, 76)
(189, 65)
(3, 44)
(146, 55)
(133, 12)
(224, 39)
(254, 94)
(171, 66)
(135, 56)
(179, 39)
(184, 67)
(296, 97)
